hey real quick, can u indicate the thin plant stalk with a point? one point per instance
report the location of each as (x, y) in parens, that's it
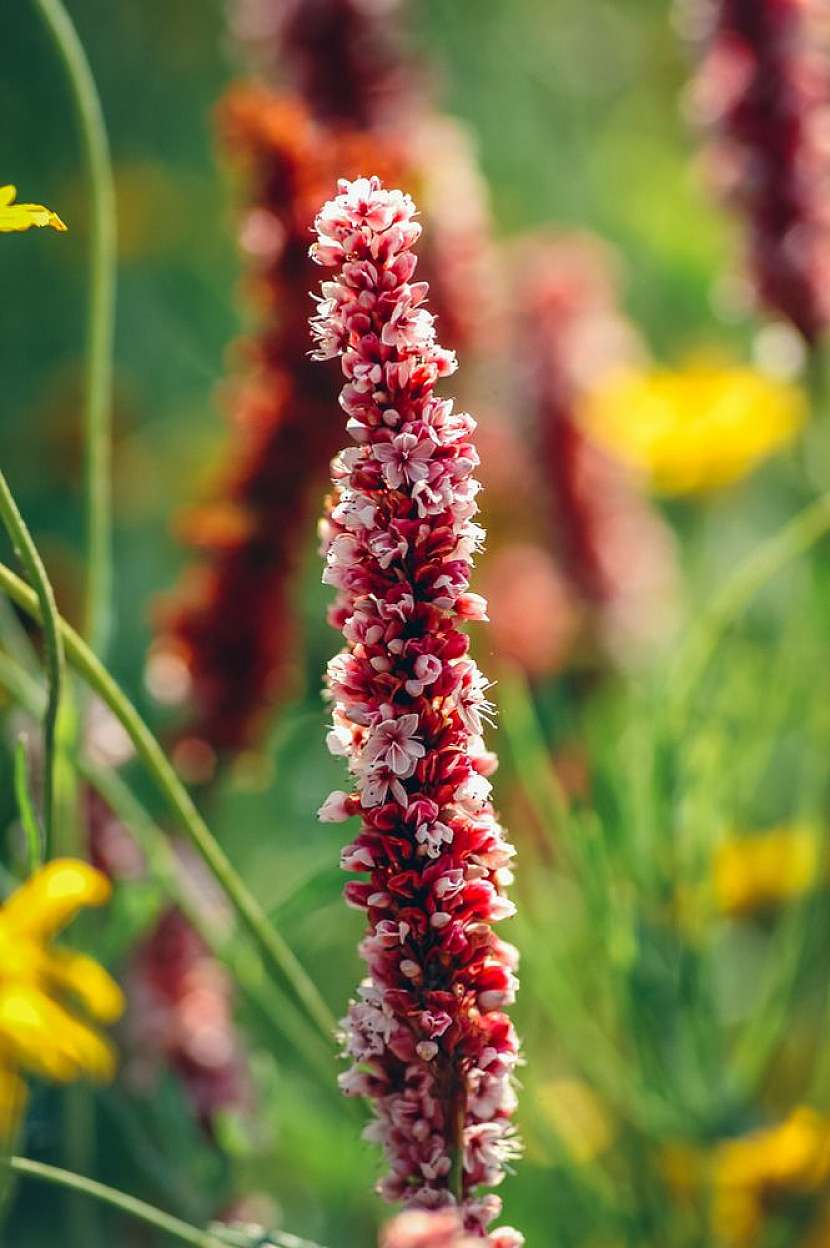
(278, 1010)
(130, 1205)
(59, 809)
(278, 955)
(43, 593)
(97, 419)
(28, 818)
(100, 323)
(215, 1236)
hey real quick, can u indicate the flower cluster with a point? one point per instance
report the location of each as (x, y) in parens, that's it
(48, 996)
(763, 91)
(181, 1014)
(342, 56)
(613, 548)
(431, 1045)
(438, 1229)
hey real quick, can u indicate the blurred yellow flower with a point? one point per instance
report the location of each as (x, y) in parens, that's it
(23, 216)
(752, 873)
(754, 1174)
(45, 992)
(695, 429)
(578, 1116)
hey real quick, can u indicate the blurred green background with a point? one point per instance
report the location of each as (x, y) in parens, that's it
(575, 106)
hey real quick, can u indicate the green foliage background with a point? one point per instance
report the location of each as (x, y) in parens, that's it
(576, 107)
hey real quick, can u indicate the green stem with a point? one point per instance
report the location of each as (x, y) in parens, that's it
(28, 818)
(130, 1205)
(275, 949)
(277, 1009)
(216, 1236)
(47, 614)
(101, 319)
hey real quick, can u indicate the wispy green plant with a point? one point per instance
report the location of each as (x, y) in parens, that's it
(100, 319)
(675, 1014)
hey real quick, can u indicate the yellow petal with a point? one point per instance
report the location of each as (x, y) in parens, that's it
(15, 217)
(754, 872)
(40, 1035)
(53, 896)
(88, 981)
(13, 1095)
(694, 429)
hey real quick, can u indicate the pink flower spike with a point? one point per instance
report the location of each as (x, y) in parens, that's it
(762, 95)
(409, 709)
(441, 1228)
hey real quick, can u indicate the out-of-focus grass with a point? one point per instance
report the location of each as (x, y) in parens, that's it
(630, 983)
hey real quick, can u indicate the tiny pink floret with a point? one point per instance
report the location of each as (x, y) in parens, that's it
(431, 1046)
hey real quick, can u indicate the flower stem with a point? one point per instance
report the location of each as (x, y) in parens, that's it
(277, 1009)
(28, 818)
(101, 319)
(139, 1209)
(278, 955)
(43, 593)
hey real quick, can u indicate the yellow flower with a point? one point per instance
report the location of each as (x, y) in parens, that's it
(754, 1174)
(752, 873)
(46, 994)
(23, 216)
(695, 429)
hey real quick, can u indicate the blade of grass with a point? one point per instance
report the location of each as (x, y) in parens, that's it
(100, 322)
(278, 1010)
(43, 593)
(28, 818)
(215, 1236)
(129, 1205)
